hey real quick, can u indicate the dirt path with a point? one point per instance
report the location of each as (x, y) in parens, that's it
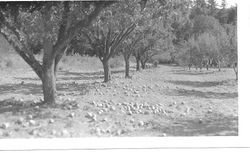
(164, 101)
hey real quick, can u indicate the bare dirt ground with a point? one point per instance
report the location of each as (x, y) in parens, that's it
(163, 101)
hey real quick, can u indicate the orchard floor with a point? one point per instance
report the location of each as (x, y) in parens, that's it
(162, 101)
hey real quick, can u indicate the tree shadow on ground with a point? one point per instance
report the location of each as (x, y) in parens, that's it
(197, 72)
(36, 89)
(27, 79)
(26, 88)
(199, 83)
(38, 110)
(200, 94)
(16, 106)
(215, 125)
(66, 75)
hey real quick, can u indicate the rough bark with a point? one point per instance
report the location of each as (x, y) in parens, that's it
(57, 60)
(49, 82)
(106, 68)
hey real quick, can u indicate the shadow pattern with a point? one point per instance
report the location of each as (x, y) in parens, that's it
(200, 94)
(199, 83)
(215, 125)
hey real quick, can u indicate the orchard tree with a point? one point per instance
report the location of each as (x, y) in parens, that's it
(104, 38)
(127, 48)
(104, 45)
(47, 27)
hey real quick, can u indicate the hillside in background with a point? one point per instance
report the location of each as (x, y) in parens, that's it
(4, 46)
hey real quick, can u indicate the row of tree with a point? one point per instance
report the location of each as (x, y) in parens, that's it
(142, 28)
(52, 28)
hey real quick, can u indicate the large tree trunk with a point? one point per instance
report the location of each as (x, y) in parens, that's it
(106, 68)
(49, 83)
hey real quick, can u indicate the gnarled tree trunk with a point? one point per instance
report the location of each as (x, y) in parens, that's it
(49, 83)
(106, 68)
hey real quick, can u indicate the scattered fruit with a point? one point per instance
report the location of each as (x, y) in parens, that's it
(32, 122)
(119, 132)
(89, 115)
(53, 132)
(20, 121)
(51, 121)
(65, 132)
(129, 113)
(29, 117)
(210, 111)
(141, 123)
(33, 132)
(72, 115)
(5, 125)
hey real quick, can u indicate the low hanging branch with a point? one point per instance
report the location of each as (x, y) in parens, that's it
(118, 39)
(105, 45)
(14, 19)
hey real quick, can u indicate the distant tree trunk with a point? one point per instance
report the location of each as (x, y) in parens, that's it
(126, 67)
(143, 64)
(235, 67)
(200, 66)
(207, 64)
(106, 68)
(138, 67)
(219, 68)
(49, 82)
(189, 66)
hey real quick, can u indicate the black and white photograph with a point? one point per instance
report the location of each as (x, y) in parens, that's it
(118, 68)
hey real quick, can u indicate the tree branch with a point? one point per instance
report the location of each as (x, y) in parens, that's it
(73, 30)
(28, 58)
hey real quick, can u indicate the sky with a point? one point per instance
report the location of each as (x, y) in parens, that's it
(229, 2)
